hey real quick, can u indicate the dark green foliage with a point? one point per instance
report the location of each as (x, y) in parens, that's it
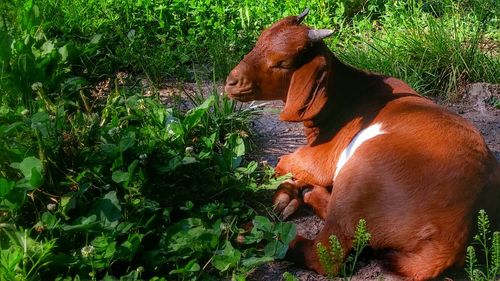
(132, 184)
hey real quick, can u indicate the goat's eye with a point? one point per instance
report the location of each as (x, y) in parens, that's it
(284, 64)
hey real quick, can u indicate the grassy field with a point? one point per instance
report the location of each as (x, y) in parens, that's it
(101, 180)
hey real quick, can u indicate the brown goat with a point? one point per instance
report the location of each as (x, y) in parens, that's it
(376, 150)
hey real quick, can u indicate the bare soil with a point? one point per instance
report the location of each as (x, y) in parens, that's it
(275, 138)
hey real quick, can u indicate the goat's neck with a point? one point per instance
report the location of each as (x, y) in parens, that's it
(347, 92)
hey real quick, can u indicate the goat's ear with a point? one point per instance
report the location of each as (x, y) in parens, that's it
(307, 92)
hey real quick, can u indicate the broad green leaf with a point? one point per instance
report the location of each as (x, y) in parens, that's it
(276, 249)
(110, 149)
(28, 164)
(6, 186)
(36, 178)
(174, 128)
(189, 160)
(128, 248)
(47, 48)
(227, 259)
(110, 250)
(96, 38)
(262, 223)
(210, 141)
(49, 220)
(82, 223)
(238, 146)
(120, 176)
(108, 210)
(63, 51)
(11, 127)
(131, 167)
(127, 141)
(191, 266)
(193, 116)
(286, 231)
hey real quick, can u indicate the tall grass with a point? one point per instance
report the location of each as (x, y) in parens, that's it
(436, 54)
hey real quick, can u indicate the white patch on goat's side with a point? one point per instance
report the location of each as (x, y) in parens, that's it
(364, 135)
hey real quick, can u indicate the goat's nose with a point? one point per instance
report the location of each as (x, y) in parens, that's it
(231, 81)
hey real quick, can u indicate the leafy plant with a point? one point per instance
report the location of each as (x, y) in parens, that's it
(25, 256)
(334, 260)
(489, 244)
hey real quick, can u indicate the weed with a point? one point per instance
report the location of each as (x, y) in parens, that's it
(334, 260)
(489, 244)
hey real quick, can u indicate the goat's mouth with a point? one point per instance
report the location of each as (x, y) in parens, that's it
(245, 95)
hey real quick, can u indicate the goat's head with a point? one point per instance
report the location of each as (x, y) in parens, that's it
(287, 63)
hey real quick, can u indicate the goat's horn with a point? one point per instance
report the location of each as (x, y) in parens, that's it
(318, 34)
(302, 15)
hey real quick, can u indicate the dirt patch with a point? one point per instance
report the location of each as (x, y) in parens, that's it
(477, 105)
(275, 138)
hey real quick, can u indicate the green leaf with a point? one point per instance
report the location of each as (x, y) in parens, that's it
(96, 38)
(229, 258)
(11, 196)
(189, 160)
(127, 141)
(47, 48)
(63, 51)
(68, 202)
(262, 223)
(238, 146)
(128, 248)
(6, 186)
(286, 231)
(49, 220)
(193, 116)
(110, 250)
(108, 210)
(210, 141)
(36, 179)
(256, 261)
(82, 223)
(120, 176)
(28, 164)
(191, 266)
(276, 249)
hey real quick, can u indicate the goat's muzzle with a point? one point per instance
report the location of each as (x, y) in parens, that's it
(239, 88)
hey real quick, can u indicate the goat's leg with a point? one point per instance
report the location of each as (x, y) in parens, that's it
(291, 194)
(318, 198)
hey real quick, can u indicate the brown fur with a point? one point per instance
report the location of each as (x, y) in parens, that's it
(418, 186)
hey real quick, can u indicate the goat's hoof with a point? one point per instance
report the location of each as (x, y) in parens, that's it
(306, 191)
(281, 200)
(286, 200)
(291, 208)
